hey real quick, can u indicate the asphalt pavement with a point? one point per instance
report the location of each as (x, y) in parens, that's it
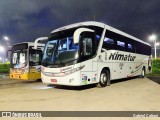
(155, 79)
(137, 94)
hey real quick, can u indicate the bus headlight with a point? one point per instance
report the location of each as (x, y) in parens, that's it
(62, 74)
(74, 70)
(47, 74)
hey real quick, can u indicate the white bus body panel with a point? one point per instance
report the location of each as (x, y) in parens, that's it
(120, 68)
(82, 74)
(89, 71)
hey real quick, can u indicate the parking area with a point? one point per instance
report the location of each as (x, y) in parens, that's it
(126, 95)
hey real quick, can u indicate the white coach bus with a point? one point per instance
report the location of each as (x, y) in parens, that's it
(93, 53)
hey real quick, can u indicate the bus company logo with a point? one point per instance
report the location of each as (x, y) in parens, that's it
(117, 56)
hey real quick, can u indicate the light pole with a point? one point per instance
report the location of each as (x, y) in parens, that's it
(153, 38)
(2, 48)
(6, 38)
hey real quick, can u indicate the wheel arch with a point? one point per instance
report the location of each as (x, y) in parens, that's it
(105, 68)
(104, 77)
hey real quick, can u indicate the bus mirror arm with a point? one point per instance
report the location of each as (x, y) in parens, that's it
(78, 32)
(39, 39)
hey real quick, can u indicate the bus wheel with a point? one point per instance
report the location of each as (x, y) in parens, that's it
(104, 78)
(143, 72)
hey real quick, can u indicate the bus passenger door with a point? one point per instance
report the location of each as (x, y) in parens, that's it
(87, 53)
(87, 50)
(35, 59)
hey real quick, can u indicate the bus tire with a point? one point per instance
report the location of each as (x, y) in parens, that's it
(104, 79)
(143, 72)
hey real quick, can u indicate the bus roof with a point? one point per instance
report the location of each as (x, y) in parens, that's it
(99, 24)
(29, 43)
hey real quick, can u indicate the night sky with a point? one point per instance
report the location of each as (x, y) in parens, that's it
(26, 20)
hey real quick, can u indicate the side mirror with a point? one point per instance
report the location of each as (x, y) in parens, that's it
(78, 32)
(39, 39)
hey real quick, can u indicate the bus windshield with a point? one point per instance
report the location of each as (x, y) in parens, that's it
(19, 59)
(60, 51)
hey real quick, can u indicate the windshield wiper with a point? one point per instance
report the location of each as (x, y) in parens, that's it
(63, 64)
(71, 61)
(53, 66)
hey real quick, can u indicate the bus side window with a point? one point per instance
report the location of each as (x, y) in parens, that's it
(130, 47)
(98, 39)
(108, 43)
(146, 49)
(121, 44)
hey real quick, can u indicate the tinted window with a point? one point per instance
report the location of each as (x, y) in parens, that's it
(108, 43)
(118, 42)
(121, 44)
(143, 49)
(108, 40)
(130, 46)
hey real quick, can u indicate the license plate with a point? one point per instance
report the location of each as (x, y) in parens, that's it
(54, 80)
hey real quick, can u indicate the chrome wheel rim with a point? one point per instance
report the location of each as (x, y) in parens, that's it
(103, 78)
(142, 72)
